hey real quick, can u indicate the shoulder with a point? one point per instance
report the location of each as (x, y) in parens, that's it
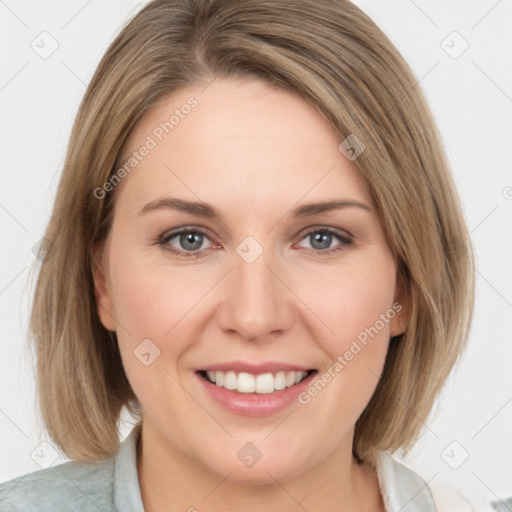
(403, 489)
(450, 499)
(66, 487)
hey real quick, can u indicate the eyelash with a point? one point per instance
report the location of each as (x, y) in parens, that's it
(164, 239)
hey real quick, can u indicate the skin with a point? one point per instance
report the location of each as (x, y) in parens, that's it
(254, 153)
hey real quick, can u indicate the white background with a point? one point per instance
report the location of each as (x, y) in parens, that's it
(471, 98)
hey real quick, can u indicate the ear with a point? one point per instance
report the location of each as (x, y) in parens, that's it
(104, 303)
(401, 306)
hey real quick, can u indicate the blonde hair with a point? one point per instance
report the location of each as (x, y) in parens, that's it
(335, 57)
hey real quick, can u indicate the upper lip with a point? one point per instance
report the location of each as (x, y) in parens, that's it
(255, 369)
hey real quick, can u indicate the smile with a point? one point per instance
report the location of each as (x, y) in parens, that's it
(263, 383)
(253, 389)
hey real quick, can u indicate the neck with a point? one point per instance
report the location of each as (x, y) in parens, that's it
(170, 480)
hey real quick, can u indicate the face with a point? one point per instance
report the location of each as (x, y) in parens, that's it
(254, 328)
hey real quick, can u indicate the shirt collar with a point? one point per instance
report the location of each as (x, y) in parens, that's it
(401, 488)
(126, 480)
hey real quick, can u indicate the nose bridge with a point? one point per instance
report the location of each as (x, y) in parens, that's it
(257, 302)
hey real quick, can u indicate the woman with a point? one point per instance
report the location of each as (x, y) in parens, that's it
(257, 249)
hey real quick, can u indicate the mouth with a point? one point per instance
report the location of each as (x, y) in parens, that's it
(249, 383)
(254, 389)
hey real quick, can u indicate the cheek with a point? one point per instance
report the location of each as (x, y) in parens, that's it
(356, 309)
(354, 301)
(149, 297)
(150, 304)
(161, 303)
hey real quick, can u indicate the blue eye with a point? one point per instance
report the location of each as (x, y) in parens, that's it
(191, 241)
(321, 239)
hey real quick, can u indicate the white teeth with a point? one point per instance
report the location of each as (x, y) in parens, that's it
(247, 383)
(265, 383)
(280, 381)
(230, 380)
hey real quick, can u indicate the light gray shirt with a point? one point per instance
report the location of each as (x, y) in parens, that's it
(113, 485)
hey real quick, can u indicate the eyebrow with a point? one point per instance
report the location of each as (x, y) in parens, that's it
(201, 209)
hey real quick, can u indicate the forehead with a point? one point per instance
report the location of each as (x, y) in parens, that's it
(237, 142)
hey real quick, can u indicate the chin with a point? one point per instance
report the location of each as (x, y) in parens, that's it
(258, 466)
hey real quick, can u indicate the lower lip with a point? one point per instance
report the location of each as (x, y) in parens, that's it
(255, 404)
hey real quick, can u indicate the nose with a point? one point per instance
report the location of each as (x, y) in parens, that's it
(257, 303)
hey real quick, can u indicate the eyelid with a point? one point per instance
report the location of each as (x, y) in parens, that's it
(205, 231)
(171, 233)
(345, 237)
(319, 227)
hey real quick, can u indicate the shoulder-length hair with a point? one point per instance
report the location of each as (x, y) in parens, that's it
(335, 58)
